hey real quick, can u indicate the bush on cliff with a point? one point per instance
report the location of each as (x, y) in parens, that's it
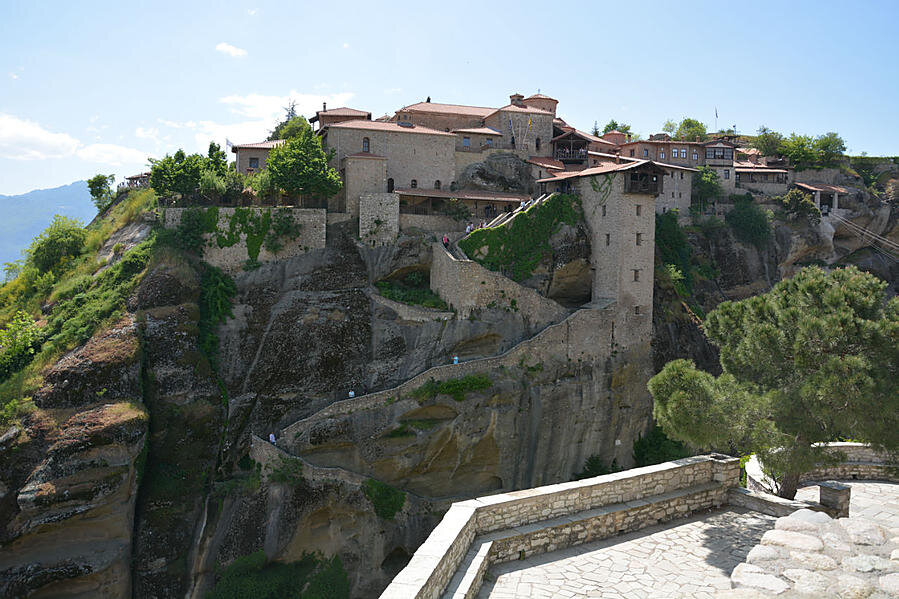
(312, 577)
(750, 223)
(386, 500)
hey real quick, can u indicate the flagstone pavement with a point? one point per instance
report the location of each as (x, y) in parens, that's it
(692, 557)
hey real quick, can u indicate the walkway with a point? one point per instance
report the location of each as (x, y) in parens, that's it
(872, 500)
(691, 558)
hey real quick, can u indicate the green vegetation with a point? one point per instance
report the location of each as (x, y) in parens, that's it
(799, 205)
(57, 246)
(413, 290)
(456, 388)
(386, 500)
(300, 166)
(706, 187)
(688, 130)
(594, 466)
(803, 151)
(313, 577)
(655, 447)
(674, 249)
(613, 125)
(767, 142)
(288, 471)
(100, 187)
(400, 432)
(750, 223)
(18, 341)
(216, 291)
(813, 360)
(517, 248)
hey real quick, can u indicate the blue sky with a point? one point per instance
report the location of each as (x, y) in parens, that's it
(93, 87)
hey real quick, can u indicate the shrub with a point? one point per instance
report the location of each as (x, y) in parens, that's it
(18, 341)
(100, 187)
(750, 223)
(311, 577)
(330, 581)
(800, 205)
(57, 245)
(455, 209)
(216, 291)
(212, 185)
(411, 290)
(386, 500)
(655, 447)
(263, 185)
(594, 466)
(288, 471)
(457, 388)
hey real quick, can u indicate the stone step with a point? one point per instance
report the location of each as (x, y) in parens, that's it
(575, 529)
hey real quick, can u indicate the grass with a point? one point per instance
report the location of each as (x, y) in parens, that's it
(456, 388)
(386, 500)
(412, 290)
(517, 248)
(312, 577)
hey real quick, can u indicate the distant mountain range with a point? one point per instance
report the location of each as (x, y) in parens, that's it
(24, 216)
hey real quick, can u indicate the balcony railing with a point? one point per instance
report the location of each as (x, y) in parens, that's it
(645, 187)
(566, 154)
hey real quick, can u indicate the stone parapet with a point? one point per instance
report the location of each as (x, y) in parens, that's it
(497, 528)
(435, 223)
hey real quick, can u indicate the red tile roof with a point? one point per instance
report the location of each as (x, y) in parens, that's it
(262, 145)
(587, 136)
(546, 162)
(540, 97)
(610, 167)
(478, 131)
(822, 187)
(663, 141)
(343, 111)
(382, 126)
(459, 109)
(528, 109)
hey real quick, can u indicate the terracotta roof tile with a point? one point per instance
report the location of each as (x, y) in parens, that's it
(262, 145)
(478, 131)
(463, 194)
(822, 187)
(343, 111)
(546, 162)
(528, 109)
(540, 97)
(382, 126)
(459, 109)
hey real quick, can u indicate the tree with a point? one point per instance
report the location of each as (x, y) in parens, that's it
(595, 131)
(100, 187)
(57, 245)
(706, 186)
(800, 149)
(690, 130)
(767, 141)
(179, 173)
(799, 204)
(292, 128)
(614, 125)
(750, 223)
(813, 360)
(18, 341)
(300, 167)
(217, 159)
(669, 127)
(290, 114)
(829, 148)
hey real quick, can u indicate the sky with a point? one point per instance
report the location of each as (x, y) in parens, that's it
(98, 87)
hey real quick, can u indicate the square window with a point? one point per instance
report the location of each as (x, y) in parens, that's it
(645, 152)
(254, 163)
(661, 155)
(683, 153)
(466, 142)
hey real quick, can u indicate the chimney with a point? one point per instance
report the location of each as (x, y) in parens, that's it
(324, 106)
(516, 99)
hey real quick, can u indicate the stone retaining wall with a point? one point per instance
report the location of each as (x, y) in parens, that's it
(231, 259)
(467, 286)
(642, 497)
(435, 223)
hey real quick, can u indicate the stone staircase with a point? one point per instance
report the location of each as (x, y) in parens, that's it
(507, 217)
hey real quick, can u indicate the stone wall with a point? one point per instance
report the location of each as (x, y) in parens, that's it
(764, 188)
(616, 502)
(312, 223)
(361, 175)
(678, 186)
(464, 159)
(525, 138)
(379, 217)
(467, 286)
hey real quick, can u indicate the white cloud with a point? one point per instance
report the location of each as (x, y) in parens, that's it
(22, 139)
(111, 154)
(251, 12)
(345, 45)
(271, 108)
(230, 50)
(13, 76)
(147, 133)
(393, 90)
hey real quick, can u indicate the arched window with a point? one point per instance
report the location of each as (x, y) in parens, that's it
(537, 143)
(437, 184)
(366, 144)
(414, 184)
(390, 185)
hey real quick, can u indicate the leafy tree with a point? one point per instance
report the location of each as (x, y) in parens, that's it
(57, 245)
(614, 125)
(800, 149)
(100, 187)
(669, 127)
(799, 204)
(292, 128)
(829, 148)
(18, 341)
(217, 159)
(767, 142)
(300, 167)
(813, 360)
(179, 173)
(690, 130)
(750, 223)
(212, 185)
(706, 186)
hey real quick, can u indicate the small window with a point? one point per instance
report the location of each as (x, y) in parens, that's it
(603, 209)
(674, 152)
(695, 155)
(682, 175)
(645, 152)
(537, 143)
(632, 153)
(366, 145)
(414, 184)
(437, 184)
(254, 163)
(639, 238)
(639, 209)
(727, 173)
(680, 194)
(662, 155)
(683, 153)
(608, 238)
(390, 185)
(489, 142)
(466, 142)
(637, 310)
(636, 274)
(672, 194)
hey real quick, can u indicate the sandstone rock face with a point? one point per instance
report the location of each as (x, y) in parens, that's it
(70, 480)
(499, 172)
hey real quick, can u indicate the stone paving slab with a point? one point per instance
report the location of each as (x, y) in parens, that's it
(692, 558)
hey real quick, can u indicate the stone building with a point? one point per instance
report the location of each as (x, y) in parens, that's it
(251, 158)
(325, 117)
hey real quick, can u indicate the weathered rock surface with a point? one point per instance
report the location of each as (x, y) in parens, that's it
(499, 172)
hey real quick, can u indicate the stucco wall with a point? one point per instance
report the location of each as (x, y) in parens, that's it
(379, 218)
(467, 286)
(232, 259)
(244, 155)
